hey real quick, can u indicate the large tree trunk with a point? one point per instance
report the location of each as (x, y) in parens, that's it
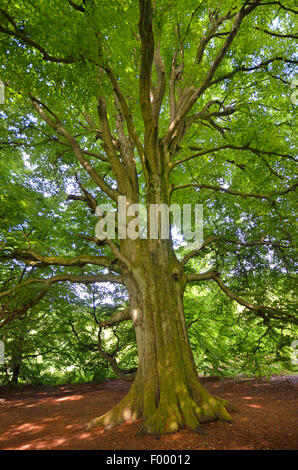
(166, 392)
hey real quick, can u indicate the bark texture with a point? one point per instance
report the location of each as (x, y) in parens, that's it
(166, 392)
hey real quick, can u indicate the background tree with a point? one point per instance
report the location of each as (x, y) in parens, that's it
(56, 344)
(168, 102)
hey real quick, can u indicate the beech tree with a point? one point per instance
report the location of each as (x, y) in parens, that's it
(161, 102)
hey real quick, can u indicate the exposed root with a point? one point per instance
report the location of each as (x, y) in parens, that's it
(227, 404)
(213, 408)
(114, 417)
(188, 415)
(189, 411)
(173, 413)
(165, 420)
(123, 412)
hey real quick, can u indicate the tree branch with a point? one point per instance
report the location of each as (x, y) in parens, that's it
(187, 106)
(88, 198)
(202, 276)
(125, 375)
(278, 35)
(47, 282)
(86, 152)
(239, 193)
(280, 5)
(151, 156)
(232, 147)
(211, 34)
(261, 65)
(262, 310)
(212, 239)
(21, 310)
(194, 253)
(118, 317)
(231, 191)
(57, 126)
(126, 112)
(147, 54)
(118, 168)
(36, 260)
(127, 152)
(159, 91)
(19, 34)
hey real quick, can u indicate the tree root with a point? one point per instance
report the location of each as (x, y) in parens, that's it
(123, 412)
(167, 418)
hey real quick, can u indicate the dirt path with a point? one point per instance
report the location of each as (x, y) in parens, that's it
(56, 418)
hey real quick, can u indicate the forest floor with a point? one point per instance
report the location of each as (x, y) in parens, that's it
(56, 417)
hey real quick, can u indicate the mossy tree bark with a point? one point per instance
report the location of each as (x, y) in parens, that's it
(166, 393)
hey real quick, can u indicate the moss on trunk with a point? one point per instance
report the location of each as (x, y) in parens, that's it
(166, 393)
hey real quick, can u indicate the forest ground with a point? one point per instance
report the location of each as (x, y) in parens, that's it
(47, 417)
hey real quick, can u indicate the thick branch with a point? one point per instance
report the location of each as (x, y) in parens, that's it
(147, 54)
(125, 375)
(211, 239)
(126, 150)
(34, 259)
(160, 89)
(177, 70)
(118, 317)
(19, 34)
(262, 310)
(116, 164)
(57, 126)
(202, 276)
(194, 253)
(211, 72)
(176, 73)
(233, 192)
(47, 282)
(21, 310)
(126, 113)
(232, 147)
